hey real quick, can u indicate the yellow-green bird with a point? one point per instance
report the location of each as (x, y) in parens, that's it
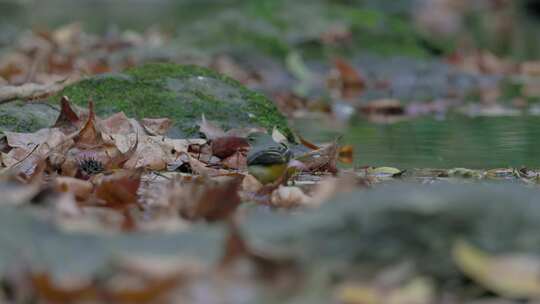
(267, 160)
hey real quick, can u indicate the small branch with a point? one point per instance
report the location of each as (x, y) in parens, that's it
(31, 90)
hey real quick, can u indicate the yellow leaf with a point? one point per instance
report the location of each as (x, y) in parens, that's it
(511, 275)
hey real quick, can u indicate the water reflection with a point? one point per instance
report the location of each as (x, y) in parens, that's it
(453, 142)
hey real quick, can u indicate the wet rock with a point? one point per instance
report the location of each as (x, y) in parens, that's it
(26, 116)
(182, 93)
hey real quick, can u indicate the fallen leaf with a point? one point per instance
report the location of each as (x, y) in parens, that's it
(201, 168)
(322, 160)
(237, 161)
(208, 199)
(227, 146)
(119, 191)
(514, 276)
(417, 290)
(210, 130)
(89, 136)
(80, 188)
(383, 111)
(384, 172)
(346, 79)
(68, 121)
(345, 154)
(117, 123)
(289, 197)
(51, 292)
(157, 126)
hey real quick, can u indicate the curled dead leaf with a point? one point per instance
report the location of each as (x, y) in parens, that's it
(68, 121)
(157, 126)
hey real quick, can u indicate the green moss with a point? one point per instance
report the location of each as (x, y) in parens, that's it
(182, 93)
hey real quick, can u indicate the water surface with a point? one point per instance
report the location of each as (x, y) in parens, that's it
(457, 141)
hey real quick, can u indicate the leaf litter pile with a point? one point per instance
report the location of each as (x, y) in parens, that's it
(97, 175)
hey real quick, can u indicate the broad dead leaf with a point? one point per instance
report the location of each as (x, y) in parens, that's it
(289, 197)
(224, 147)
(208, 199)
(514, 276)
(81, 189)
(210, 130)
(237, 161)
(119, 191)
(321, 160)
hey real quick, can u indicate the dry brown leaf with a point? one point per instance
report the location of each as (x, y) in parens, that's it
(237, 161)
(321, 160)
(68, 121)
(289, 197)
(80, 188)
(89, 136)
(227, 146)
(210, 130)
(117, 123)
(119, 191)
(209, 199)
(346, 79)
(32, 90)
(157, 126)
(201, 168)
(345, 154)
(47, 290)
(384, 111)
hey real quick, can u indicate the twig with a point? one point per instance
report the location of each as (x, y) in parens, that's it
(32, 90)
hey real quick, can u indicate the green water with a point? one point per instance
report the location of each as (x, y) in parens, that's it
(427, 142)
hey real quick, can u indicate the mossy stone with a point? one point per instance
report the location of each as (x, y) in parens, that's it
(26, 116)
(180, 92)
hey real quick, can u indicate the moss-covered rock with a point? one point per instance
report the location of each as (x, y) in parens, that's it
(26, 117)
(182, 93)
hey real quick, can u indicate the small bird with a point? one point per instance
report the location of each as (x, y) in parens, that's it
(268, 160)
